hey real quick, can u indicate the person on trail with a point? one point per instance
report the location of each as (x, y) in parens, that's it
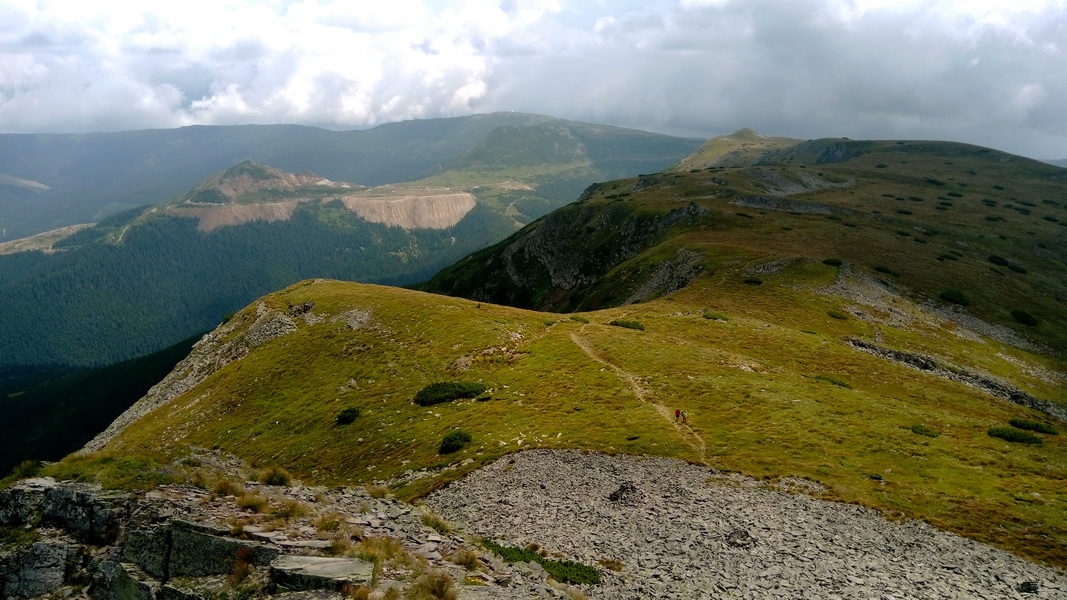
(677, 413)
(685, 417)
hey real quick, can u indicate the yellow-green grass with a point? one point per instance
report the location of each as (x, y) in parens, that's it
(760, 390)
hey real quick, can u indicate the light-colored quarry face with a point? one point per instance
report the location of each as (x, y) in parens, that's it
(429, 211)
(437, 211)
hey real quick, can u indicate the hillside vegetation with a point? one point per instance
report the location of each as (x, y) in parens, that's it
(144, 278)
(836, 316)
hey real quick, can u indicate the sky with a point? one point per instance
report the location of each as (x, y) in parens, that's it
(988, 72)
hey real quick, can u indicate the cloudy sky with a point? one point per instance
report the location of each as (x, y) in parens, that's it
(991, 72)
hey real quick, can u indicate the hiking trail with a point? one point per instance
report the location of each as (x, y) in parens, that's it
(687, 434)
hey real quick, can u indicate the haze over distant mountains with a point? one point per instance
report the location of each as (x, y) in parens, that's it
(317, 203)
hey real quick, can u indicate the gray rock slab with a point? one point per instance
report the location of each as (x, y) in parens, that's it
(317, 572)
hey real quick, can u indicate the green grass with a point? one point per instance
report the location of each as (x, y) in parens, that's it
(772, 392)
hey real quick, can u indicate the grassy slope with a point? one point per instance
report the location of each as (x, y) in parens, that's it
(772, 391)
(755, 386)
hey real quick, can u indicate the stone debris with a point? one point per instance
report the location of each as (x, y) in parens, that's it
(697, 535)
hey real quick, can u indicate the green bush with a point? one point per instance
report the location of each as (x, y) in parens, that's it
(628, 324)
(563, 571)
(579, 319)
(347, 416)
(921, 429)
(447, 391)
(955, 297)
(716, 316)
(837, 315)
(454, 440)
(753, 281)
(1024, 317)
(833, 262)
(998, 260)
(1033, 426)
(1013, 435)
(1018, 269)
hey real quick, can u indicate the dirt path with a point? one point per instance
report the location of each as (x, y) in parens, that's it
(689, 436)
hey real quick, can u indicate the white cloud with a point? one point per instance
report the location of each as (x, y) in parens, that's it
(976, 70)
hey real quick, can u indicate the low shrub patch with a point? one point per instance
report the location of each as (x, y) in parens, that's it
(1024, 317)
(955, 297)
(833, 262)
(833, 380)
(447, 391)
(753, 281)
(563, 571)
(1013, 435)
(1033, 426)
(453, 441)
(628, 324)
(998, 260)
(347, 416)
(921, 429)
(579, 319)
(716, 316)
(837, 315)
(1018, 269)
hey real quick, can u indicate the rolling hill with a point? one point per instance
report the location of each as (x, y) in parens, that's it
(848, 312)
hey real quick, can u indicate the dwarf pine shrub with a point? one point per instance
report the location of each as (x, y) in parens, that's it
(921, 429)
(955, 297)
(627, 324)
(454, 440)
(1013, 435)
(447, 391)
(347, 416)
(1033, 426)
(1024, 317)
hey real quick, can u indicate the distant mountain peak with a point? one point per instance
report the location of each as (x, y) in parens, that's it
(249, 181)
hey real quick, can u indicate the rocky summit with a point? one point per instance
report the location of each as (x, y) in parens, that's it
(676, 530)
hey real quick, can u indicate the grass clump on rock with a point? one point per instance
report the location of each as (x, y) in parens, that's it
(453, 441)
(447, 391)
(1013, 435)
(563, 571)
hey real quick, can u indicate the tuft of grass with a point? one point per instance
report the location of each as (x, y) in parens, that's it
(290, 509)
(1013, 435)
(453, 441)
(226, 487)
(436, 523)
(579, 319)
(1037, 426)
(434, 585)
(253, 502)
(921, 429)
(837, 315)
(275, 476)
(611, 563)
(716, 316)
(376, 491)
(468, 559)
(25, 469)
(627, 324)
